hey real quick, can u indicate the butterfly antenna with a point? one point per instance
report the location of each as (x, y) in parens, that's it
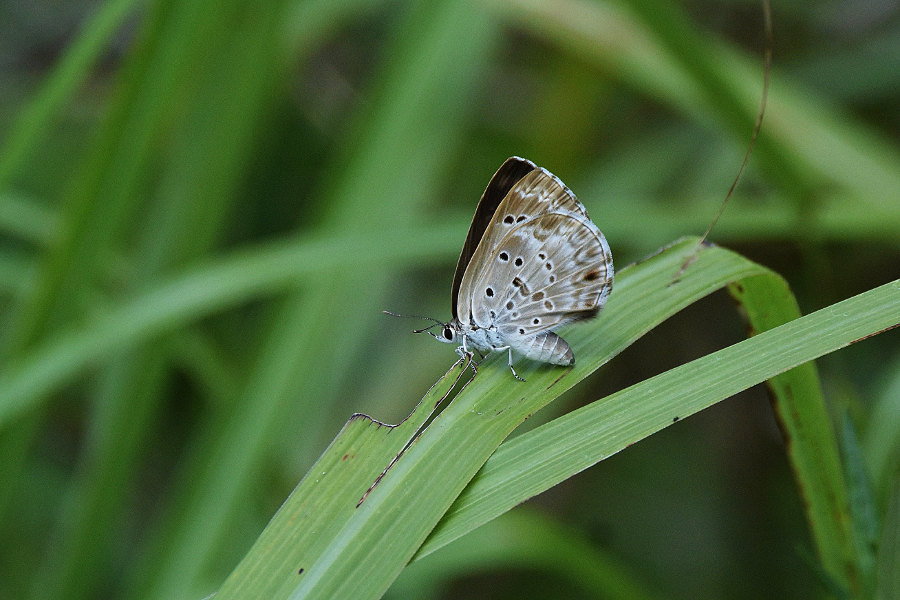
(427, 329)
(434, 324)
(767, 67)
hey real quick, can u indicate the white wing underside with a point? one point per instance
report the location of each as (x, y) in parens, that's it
(541, 263)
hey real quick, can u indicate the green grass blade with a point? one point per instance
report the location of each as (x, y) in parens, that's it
(247, 275)
(888, 575)
(38, 117)
(26, 219)
(208, 152)
(527, 538)
(205, 205)
(810, 438)
(436, 57)
(881, 443)
(537, 460)
(385, 531)
(863, 519)
(347, 470)
(658, 58)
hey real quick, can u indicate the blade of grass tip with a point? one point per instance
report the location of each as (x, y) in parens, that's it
(644, 296)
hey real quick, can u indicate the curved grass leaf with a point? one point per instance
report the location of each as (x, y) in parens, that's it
(384, 532)
(353, 463)
(539, 459)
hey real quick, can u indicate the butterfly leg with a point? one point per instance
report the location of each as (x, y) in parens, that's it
(516, 375)
(465, 353)
(471, 358)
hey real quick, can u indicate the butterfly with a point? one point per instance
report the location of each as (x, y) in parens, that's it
(533, 261)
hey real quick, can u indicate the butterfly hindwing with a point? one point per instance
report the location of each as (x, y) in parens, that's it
(549, 270)
(537, 193)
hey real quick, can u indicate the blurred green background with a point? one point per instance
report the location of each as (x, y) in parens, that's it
(206, 205)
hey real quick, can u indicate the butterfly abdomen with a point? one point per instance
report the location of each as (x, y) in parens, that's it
(546, 347)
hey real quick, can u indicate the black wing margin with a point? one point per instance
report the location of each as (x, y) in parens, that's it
(509, 173)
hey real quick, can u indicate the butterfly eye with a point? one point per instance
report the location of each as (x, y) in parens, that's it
(447, 333)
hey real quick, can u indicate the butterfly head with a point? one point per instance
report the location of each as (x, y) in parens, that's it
(442, 332)
(447, 334)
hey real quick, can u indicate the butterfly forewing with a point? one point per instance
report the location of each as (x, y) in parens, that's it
(546, 271)
(509, 173)
(537, 193)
